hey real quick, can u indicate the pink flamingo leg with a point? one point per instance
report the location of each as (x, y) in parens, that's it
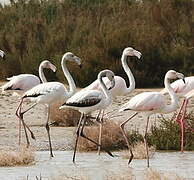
(122, 125)
(183, 125)
(178, 117)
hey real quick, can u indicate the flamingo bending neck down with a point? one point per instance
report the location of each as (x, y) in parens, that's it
(23, 82)
(151, 103)
(48, 93)
(186, 91)
(91, 100)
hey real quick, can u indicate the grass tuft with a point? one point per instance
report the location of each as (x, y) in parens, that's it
(23, 156)
(139, 151)
(112, 137)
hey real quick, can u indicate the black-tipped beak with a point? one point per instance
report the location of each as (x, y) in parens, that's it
(184, 80)
(80, 66)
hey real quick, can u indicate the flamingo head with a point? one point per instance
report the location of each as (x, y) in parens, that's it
(129, 51)
(69, 56)
(110, 75)
(171, 74)
(47, 64)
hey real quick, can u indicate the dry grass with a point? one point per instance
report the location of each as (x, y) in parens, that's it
(123, 175)
(111, 137)
(64, 117)
(23, 156)
(139, 151)
(66, 177)
(154, 175)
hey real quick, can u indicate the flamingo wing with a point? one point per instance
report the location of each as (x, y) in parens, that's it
(85, 98)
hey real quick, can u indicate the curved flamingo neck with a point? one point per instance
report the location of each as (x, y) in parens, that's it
(72, 86)
(103, 86)
(41, 74)
(174, 101)
(129, 74)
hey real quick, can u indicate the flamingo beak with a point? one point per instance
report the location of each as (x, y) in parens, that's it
(184, 80)
(138, 54)
(112, 84)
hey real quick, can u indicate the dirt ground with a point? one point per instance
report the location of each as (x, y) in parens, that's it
(62, 137)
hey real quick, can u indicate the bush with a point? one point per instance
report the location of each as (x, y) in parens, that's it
(166, 136)
(98, 31)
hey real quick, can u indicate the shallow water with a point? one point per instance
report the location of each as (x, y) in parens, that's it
(97, 167)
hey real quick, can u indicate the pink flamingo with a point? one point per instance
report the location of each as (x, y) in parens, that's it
(186, 91)
(151, 103)
(120, 87)
(23, 82)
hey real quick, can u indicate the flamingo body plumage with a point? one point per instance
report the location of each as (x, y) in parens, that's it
(23, 82)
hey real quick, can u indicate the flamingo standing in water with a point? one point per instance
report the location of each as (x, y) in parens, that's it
(23, 82)
(151, 103)
(187, 91)
(88, 101)
(2, 54)
(120, 87)
(48, 93)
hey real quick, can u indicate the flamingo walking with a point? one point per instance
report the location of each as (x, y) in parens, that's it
(151, 103)
(185, 91)
(23, 82)
(48, 93)
(2, 54)
(88, 101)
(120, 87)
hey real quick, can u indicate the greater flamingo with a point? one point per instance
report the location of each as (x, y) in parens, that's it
(48, 93)
(120, 87)
(186, 91)
(2, 54)
(151, 103)
(91, 100)
(23, 82)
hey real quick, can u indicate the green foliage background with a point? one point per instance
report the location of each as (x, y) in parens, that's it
(98, 31)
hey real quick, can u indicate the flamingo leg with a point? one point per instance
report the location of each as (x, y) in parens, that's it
(178, 117)
(183, 125)
(78, 134)
(48, 131)
(100, 132)
(84, 136)
(145, 142)
(18, 110)
(20, 114)
(125, 136)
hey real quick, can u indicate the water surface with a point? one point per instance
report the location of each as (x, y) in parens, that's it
(97, 167)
